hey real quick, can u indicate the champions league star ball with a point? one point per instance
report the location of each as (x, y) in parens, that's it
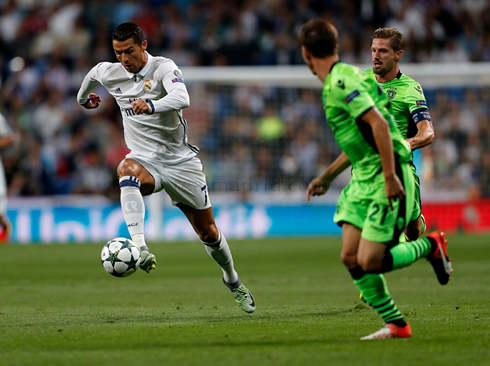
(120, 257)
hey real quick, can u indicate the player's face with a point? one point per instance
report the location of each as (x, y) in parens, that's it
(384, 57)
(131, 55)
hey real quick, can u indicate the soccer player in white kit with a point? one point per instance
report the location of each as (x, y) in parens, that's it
(151, 94)
(6, 139)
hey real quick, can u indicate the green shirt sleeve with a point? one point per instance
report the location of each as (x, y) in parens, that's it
(353, 92)
(415, 100)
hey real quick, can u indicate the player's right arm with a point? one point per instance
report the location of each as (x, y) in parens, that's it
(384, 144)
(320, 185)
(85, 97)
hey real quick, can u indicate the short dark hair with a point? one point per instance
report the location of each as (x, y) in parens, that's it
(319, 37)
(128, 30)
(397, 39)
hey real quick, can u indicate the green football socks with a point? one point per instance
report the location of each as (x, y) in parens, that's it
(404, 254)
(373, 288)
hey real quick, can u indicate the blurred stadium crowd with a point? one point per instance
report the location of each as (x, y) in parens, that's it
(257, 135)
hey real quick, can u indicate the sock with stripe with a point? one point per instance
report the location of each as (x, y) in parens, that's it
(133, 208)
(220, 252)
(404, 254)
(424, 226)
(375, 291)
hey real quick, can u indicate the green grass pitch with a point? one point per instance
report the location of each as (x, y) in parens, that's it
(59, 307)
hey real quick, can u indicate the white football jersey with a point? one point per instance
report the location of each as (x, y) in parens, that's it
(162, 135)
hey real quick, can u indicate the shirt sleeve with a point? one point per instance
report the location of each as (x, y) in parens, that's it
(177, 96)
(353, 93)
(91, 81)
(415, 99)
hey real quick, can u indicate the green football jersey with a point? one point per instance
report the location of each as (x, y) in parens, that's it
(347, 94)
(408, 104)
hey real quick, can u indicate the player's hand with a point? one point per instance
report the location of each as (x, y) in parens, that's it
(317, 187)
(141, 107)
(394, 190)
(94, 101)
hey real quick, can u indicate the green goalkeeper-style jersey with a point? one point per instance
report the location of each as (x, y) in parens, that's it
(347, 94)
(408, 103)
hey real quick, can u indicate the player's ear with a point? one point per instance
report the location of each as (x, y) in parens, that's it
(144, 44)
(398, 55)
(306, 54)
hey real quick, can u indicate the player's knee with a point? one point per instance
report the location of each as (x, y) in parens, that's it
(349, 259)
(208, 234)
(127, 168)
(371, 264)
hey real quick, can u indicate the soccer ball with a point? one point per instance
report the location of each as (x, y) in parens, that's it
(120, 257)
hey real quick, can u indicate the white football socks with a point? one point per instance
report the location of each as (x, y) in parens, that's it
(133, 208)
(220, 252)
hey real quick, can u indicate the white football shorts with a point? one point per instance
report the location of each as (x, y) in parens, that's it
(184, 183)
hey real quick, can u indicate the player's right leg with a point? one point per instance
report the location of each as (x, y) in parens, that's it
(135, 181)
(217, 248)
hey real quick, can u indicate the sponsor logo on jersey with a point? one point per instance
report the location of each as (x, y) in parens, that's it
(118, 91)
(351, 96)
(391, 93)
(341, 84)
(147, 86)
(177, 80)
(421, 102)
(419, 89)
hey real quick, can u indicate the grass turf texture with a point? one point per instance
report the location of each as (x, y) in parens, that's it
(59, 307)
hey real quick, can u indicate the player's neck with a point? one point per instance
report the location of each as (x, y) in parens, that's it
(388, 76)
(323, 66)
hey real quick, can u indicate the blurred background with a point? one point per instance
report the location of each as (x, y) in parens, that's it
(255, 111)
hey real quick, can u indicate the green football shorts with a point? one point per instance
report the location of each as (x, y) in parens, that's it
(364, 204)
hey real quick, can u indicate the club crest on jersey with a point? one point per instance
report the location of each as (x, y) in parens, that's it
(391, 93)
(147, 86)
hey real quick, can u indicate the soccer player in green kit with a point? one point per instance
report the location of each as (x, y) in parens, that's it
(376, 206)
(408, 106)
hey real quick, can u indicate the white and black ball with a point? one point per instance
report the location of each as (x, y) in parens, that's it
(120, 257)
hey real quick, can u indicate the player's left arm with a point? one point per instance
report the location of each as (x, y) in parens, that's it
(177, 97)
(320, 185)
(420, 113)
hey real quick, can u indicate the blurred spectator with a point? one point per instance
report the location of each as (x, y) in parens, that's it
(246, 132)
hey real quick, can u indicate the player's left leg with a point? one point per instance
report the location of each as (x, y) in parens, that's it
(217, 247)
(374, 289)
